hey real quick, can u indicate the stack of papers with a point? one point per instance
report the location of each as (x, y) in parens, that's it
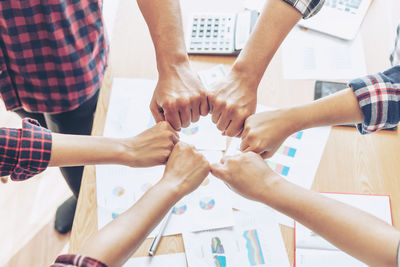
(214, 235)
(119, 187)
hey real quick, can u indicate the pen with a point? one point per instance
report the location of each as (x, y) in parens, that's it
(156, 241)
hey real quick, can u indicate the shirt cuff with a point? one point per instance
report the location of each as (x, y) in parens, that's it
(76, 261)
(378, 96)
(34, 150)
(307, 8)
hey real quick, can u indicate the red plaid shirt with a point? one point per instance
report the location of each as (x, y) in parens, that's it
(52, 53)
(76, 261)
(24, 152)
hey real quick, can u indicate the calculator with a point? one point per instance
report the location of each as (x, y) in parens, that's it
(219, 33)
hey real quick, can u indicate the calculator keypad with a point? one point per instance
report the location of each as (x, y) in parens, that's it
(211, 34)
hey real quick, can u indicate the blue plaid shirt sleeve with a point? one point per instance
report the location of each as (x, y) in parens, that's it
(307, 8)
(379, 98)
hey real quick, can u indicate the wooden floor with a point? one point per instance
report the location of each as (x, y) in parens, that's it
(27, 213)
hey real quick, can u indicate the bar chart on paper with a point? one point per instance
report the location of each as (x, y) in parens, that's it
(279, 168)
(297, 159)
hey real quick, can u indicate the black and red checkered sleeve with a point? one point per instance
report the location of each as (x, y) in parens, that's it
(24, 152)
(71, 260)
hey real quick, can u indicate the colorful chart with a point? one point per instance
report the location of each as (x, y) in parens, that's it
(287, 151)
(207, 203)
(179, 209)
(254, 252)
(216, 246)
(190, 130)
(279, 168)
(118, 191)
(146, 186)
(220, 261)
(298, 135)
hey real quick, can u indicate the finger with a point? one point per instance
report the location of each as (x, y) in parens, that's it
(245, 131)
(244, 146)
(257, 150)
(223, 121)
(195, 111)
(239, 135)
(211, 102)
(175, 138)
(204, 107)
(157, 112)
(235, 127)
(219, 171)
(266, 154)
(173, 118)
(185, 116)
(216, 114)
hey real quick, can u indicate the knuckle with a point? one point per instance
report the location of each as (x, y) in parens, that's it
(220, 103)
(170, 146)
(220, 127)
(251, 138)
(164, 125)
(183, 102)
(168, 105)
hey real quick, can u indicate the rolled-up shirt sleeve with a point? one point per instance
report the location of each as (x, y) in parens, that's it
(71, 260)
(379, 98)
(24, 152)
(307, 8)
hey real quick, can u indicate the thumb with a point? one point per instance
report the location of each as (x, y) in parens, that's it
(157, 111)
(219, 171)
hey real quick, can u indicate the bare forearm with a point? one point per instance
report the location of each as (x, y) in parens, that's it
(355, 232)
(76, 150)
(123, 236)
(274, 23)
(339, 108)
(164, 20)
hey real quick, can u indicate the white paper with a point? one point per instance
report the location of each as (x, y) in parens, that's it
(313, 250)
(308, 54)
(254, 5)
(173, 260)
(119, 187)
(298, 158)
(212, 76)
(204, 135)
(110, 8)
(325, 258)
(254, 240)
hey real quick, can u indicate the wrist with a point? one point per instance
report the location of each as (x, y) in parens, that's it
(125, 151)
(272, 183)
(248, 77)
(171, 190)
(298, 118)
(170, 63)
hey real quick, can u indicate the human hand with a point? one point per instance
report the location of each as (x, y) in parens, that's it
(264, 132)
(246, 174)
(186, 169)
(179, 98)
(231, 101)
(150, 148)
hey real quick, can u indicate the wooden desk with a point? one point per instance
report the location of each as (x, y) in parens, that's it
(351, 163)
